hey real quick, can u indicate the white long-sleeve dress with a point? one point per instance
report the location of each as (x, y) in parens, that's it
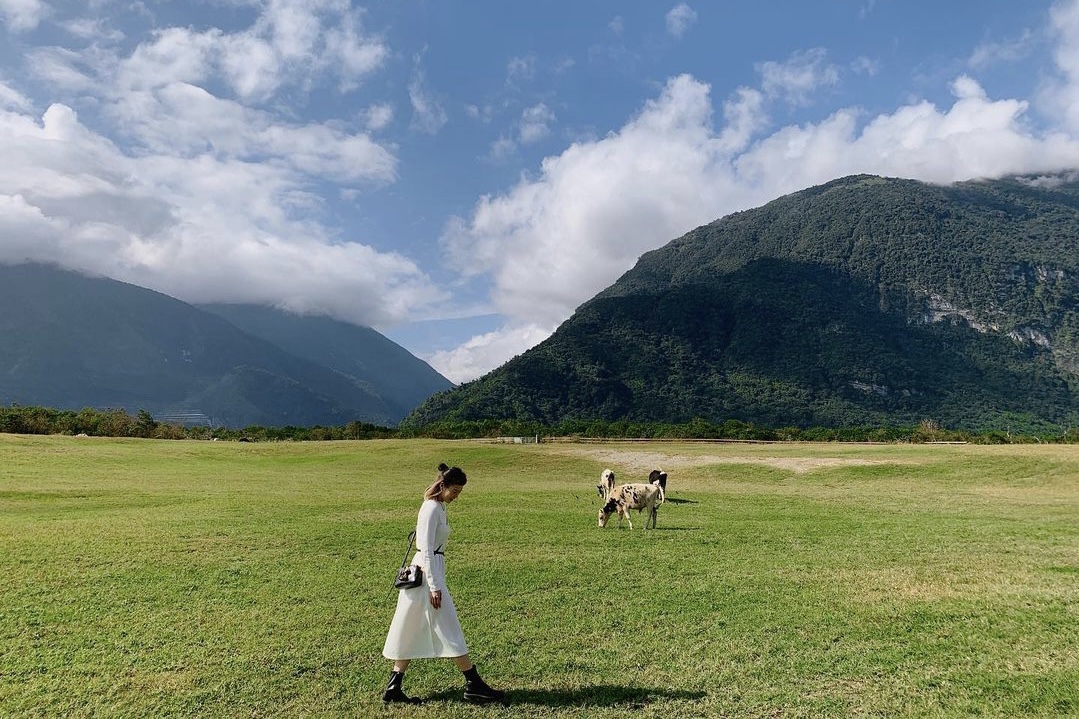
(418, 630)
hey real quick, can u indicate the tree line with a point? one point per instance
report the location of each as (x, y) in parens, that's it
(17, 419)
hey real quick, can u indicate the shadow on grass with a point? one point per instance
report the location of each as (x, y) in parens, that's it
(596, 695)
(674, 500)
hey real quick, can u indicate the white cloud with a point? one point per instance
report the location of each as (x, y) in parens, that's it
(12, 99)
(534, 126)
(251, 65)
(91, 29)
(799, 77)
(1060, 96)
(428, 115)
(298, 40)
(680, 18)
(863, 65)
(617, 25)
(184, 119)
(63, 70)
(28, 233)
(989, 52)
(291, 28)
(473, 358)
(520, 68)
(378, 117)
(290, 43)
(23, 15)
(174, 55)
(484, 114)
(745, 116)
(502, 149)
(354, 54)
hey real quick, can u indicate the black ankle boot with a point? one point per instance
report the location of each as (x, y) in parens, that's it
(394, 693)
(476, 690)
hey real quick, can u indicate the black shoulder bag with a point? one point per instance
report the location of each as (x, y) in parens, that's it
(408, 576)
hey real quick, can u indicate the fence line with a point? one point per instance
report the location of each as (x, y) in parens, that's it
(671, 440)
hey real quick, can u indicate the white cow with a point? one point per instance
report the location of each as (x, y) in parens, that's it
(606, 484)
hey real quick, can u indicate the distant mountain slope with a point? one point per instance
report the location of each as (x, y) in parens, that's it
(71, 341)
(863, 301)
(366, 357)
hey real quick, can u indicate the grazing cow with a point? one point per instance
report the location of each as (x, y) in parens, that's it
(606, 484)
(658, 476)
(625, 497)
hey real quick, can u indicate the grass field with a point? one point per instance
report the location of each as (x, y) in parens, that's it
(143, 578)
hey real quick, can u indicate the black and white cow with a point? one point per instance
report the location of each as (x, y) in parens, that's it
(658, 476)
(626, 497)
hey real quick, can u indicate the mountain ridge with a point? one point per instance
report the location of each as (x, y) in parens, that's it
(74, 341)
(362, 354)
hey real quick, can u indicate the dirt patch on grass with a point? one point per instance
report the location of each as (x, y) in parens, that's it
(636, 461)
(874, 586)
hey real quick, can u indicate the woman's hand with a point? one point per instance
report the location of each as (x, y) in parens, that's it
(436, 598)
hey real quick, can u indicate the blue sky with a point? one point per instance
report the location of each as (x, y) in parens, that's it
(462, 175)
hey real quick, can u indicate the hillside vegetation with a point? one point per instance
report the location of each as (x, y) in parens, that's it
(865, 301)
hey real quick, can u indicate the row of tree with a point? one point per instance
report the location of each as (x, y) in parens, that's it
(118, 423)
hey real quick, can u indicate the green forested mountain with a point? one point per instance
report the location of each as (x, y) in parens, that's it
(70, 341)
(866, 300)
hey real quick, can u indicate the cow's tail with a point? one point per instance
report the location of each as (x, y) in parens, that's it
(662, 496)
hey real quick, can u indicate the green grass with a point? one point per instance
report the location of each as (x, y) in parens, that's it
(144, 578)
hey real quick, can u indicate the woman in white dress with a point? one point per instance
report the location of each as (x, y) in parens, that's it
(425, 624)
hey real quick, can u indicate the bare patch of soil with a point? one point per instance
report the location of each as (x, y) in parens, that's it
(636, 461)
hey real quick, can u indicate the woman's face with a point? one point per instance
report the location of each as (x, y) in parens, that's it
(450, 492)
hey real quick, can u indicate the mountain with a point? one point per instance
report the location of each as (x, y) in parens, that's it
(366, 357)
(863, 301)
(70, 341)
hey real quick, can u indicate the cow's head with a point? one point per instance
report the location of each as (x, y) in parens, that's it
(606, 511)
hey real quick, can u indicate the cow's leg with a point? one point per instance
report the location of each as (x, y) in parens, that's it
(629, 519)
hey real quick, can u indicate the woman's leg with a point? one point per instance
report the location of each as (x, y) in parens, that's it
(476, 690)
(394, 690)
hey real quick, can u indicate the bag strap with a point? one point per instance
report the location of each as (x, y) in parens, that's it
(411, 539)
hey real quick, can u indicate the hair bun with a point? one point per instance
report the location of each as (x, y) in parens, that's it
(442, 467)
